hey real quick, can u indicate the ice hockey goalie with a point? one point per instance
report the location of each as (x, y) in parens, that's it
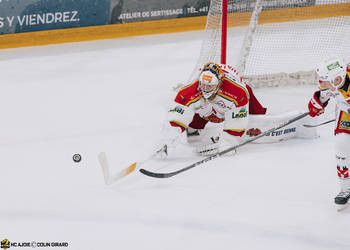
(218, 96)
(217, 111)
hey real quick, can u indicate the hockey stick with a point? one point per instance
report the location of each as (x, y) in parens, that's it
(170, 174)
(105, 169)
(316, 125)
(102, 158)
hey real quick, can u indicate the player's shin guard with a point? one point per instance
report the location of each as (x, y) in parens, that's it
(342, 154)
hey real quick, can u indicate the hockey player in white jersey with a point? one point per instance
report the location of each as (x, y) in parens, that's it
(333, 78)
(218, 110)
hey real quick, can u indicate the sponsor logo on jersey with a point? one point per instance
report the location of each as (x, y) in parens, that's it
(178, 109)
(241, 114)
(344, 124)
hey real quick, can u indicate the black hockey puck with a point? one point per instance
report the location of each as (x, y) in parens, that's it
(77, 158)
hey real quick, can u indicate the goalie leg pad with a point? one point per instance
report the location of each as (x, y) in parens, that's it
(258, 124)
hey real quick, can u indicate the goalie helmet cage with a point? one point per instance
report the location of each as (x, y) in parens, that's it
(275, 42)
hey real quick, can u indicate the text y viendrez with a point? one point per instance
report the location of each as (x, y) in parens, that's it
(37, 19)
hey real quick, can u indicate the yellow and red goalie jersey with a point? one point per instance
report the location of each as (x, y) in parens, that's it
(229, 105)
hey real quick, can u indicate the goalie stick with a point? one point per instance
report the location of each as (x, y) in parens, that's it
(170, 174)
(316, 125)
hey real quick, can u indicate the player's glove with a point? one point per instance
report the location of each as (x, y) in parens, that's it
(316, 107)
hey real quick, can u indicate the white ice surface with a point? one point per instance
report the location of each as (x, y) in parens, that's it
(112, 96)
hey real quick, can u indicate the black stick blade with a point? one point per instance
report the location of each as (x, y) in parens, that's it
(157, 175)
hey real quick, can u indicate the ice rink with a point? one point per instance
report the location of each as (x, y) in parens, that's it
(112, 96)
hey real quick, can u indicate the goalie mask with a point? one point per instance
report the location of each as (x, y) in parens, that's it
(210, 80)
(331, 73)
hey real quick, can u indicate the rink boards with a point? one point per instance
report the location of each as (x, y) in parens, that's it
(164, 26)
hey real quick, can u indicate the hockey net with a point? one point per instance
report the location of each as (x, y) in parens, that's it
(275, 42)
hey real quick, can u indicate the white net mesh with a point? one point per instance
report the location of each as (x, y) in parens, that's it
(290, 38)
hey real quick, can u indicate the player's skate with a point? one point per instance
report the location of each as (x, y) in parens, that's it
(342, 199)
